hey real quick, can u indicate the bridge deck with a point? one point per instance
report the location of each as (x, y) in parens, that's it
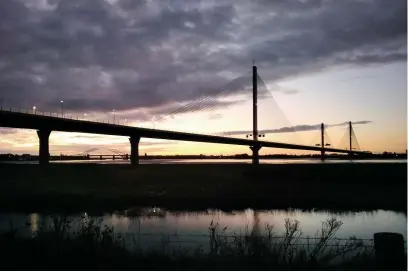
(32, 121)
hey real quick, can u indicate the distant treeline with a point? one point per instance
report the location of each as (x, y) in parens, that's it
(29, 157)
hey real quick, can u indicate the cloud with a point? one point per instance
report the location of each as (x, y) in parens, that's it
(7, 131)
(353, 123)
(215, 116)
(154, 55)
(164, 113)
(265, 90)
(296, 128)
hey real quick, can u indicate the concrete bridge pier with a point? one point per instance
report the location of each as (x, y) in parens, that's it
(44, 154)
(134, 150)
(255, 153)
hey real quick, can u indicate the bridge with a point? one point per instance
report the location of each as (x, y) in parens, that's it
(46, 124)
(116, 154)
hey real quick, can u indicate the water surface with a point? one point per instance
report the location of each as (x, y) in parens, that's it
(148, 225)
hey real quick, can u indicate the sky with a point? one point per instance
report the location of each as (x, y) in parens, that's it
(187, 66)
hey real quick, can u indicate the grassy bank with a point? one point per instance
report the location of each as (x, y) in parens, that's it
(91, 246)
(227, 186)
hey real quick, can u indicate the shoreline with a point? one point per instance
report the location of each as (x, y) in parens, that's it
(94, 187)
(55, 159)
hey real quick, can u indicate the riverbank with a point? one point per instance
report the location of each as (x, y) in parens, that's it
(84, 187)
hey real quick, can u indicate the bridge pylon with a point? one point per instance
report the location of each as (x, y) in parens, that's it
(255, 148)
(350, 139)
(322, 153)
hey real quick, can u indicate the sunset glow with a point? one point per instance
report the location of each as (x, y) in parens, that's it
(136, 62)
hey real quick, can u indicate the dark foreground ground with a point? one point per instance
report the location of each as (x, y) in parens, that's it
(79, 187)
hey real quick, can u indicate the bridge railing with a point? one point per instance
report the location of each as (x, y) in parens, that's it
(85, 119)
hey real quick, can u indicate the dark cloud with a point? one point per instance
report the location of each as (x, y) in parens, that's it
(296, 128)
(150, 56)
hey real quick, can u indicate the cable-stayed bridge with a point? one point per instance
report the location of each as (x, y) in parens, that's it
(45, 124)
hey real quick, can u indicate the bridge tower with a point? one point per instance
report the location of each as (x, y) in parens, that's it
(322, 143)
(256, 147)
(350, 138)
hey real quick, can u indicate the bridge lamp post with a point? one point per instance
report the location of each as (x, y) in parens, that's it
(113, 112)
(34, 109)
(62, 108)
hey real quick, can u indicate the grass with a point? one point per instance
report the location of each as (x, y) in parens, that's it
(201, 186)
(92, 246)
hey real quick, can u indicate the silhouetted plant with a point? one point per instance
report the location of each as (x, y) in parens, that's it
(94, 245)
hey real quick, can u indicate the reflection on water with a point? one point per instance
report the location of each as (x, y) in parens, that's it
(34, 222)
(159, 221)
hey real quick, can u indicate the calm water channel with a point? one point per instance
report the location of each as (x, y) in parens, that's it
(147, 227)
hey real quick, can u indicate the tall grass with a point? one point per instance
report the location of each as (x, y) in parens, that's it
(91, 245)
(292, 250)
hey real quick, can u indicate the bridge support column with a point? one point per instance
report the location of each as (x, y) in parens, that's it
(44, 154)
(255, 154)
(134, 150)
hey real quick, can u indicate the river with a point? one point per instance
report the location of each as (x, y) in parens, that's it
(219, 161)
(147, 227)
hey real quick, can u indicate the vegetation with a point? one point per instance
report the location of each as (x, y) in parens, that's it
(91, 246)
